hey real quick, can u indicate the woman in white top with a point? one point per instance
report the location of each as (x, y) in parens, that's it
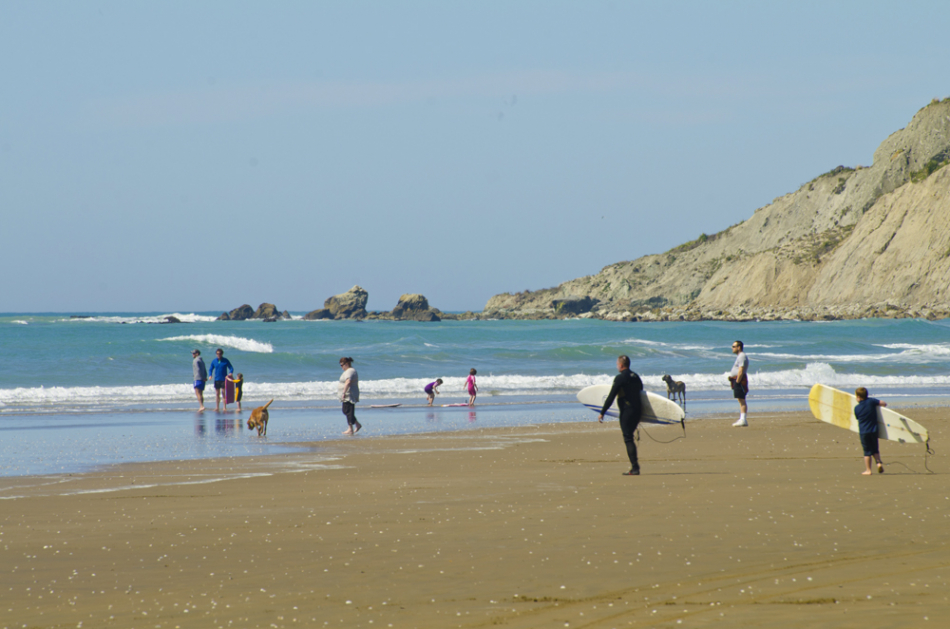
(349, 390)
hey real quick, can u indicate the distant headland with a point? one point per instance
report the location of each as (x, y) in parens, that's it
(852, 243)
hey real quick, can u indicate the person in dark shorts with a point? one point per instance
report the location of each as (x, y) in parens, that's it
(866, 414)
(200, 376)
(432, 389)
(349, 390)
(238, 389)
(626, 390)
(739, 381)
(220, 368)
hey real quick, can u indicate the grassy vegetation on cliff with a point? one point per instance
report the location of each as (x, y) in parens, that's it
(702, 240)
(929, 168)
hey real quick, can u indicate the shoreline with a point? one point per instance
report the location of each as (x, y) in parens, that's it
(76, 442)
(524, 526)
(339, 445)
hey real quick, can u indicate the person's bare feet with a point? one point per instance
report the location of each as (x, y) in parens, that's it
(358, 426)
(348, 431)
(880, 468)
(866, 473)
(201, 410)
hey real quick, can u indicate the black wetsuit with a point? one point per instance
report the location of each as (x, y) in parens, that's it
(626, 389)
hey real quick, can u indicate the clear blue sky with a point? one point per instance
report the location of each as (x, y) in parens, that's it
(200, 155)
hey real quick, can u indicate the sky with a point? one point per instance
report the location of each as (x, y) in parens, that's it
(196, 156)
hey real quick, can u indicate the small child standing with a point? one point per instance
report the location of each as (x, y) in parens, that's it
(472, 387)
(238, 389)
(866, 414)
(432, 389)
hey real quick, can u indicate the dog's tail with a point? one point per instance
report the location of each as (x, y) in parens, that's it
(268, 404)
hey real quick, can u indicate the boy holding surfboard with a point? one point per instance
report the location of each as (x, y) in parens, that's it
(866, 414)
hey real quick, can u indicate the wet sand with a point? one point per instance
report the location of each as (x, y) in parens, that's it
(771, 525)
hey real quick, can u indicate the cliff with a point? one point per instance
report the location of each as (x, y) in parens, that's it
(851, 243)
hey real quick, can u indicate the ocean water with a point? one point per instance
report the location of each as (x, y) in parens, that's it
(72, 379)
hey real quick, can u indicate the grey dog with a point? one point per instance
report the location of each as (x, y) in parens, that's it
(675, 388)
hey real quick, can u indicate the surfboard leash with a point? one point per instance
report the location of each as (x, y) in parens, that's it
(929, 451)
(640, 427)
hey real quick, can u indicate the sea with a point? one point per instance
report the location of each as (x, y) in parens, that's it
(80, 392)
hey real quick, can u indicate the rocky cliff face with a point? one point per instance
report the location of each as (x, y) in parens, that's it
(854, 242)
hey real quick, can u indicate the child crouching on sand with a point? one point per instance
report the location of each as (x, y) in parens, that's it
(432, 389)
(866, 414)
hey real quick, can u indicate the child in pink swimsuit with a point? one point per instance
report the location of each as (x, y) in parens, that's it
(472, 387)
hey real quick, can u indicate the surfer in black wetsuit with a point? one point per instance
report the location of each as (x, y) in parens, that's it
(626, 389)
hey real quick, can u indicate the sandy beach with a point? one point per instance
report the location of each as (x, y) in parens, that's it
(533, 526)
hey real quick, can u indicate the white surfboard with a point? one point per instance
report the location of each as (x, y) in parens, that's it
(655, 409)
(837, 408)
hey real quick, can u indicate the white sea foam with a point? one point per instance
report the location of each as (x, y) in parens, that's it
(184, 318)
(805, 378)
(682, 347)
(59, 398)
(914, 354)
(21, 322)
(235, 342)
(936, 350)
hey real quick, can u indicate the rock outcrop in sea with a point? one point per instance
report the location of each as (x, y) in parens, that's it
(241, 313)
(852, 243)
(348, 305)
(267, 312)
(414, 307)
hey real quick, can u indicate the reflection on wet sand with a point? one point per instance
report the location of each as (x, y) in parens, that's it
(223, 426)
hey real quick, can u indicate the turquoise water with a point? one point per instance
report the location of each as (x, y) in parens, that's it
(124, 375)
(105, 363)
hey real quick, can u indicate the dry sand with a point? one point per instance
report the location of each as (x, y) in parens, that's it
(771, 525)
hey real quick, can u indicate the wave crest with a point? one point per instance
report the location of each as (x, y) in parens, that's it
(184, 318)
(234, 342)
(515, 385)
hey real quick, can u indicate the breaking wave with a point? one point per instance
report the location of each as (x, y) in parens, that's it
(234, 342)
(62, 398)
(184, 318)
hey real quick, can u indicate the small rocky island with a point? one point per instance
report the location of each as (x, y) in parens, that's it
(266, 312)
(350, 305)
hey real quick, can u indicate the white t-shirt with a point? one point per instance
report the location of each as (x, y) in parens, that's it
(353, 395)
(741, 361)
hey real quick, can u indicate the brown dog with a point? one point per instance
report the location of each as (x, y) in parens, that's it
(258, 419)
(674, 389)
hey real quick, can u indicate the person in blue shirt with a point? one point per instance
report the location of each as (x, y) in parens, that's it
(219, 370)
(866, 414)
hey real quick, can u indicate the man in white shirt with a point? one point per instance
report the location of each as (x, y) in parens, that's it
(739, 380)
